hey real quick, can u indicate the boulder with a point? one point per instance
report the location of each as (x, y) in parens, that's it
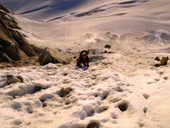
(15, 49)
(53, 56)
(12, 79)
(163, 62)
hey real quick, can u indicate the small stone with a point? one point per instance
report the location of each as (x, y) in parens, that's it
(93, 125)
(67, 102)
(64, 91)
(17, 122)
(123, 106)
(165, 78)
(145, 109)
(164, 60)
(146, 96)
(161, 73)
(157, 65)
(107, 46)
(65, 74)
(44, 104)
(157, 58)
(37, 89)
(29, 110)
(12, 79)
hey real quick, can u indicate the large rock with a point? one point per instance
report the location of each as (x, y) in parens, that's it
(13, 79)
(54, 56)
(163, 62)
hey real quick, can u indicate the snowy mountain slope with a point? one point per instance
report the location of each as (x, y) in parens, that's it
(43, 9)
(97, 95)
(87, 21)
(137, 30)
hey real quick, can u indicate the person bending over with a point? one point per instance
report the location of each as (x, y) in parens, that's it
(83, 59)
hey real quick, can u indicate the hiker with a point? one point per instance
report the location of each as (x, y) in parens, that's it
(83, 59)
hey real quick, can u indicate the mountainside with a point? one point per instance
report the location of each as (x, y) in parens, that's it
(13, 45)
(45, 9)
(126, 84)
(15, 49)
(77, 24)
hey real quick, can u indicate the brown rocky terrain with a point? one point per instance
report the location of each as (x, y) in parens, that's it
(14, 47)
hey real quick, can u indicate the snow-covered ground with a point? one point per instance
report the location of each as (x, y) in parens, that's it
(52, 23)
(137, 30)
(97, 94)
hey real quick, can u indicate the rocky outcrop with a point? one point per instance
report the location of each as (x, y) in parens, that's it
(53, 56)
(15, 49)
(5, 9)
(13, 45)
(65, 91)
(163, 62)
(5, 58)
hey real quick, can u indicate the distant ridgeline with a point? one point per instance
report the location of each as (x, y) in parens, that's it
(15, 49)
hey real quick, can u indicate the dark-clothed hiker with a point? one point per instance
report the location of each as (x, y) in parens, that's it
(83, 59)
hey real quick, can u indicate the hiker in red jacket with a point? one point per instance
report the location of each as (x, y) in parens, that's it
(83, 59)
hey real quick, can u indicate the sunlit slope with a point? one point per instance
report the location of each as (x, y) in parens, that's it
(66, 22)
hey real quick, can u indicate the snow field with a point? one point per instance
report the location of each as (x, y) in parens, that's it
(98, 95)
(123, 90)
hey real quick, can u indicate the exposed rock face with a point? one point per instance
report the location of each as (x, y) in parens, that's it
(5, 58)
(15, 49)
(53, 56)
(13, 45)
(2, 7)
